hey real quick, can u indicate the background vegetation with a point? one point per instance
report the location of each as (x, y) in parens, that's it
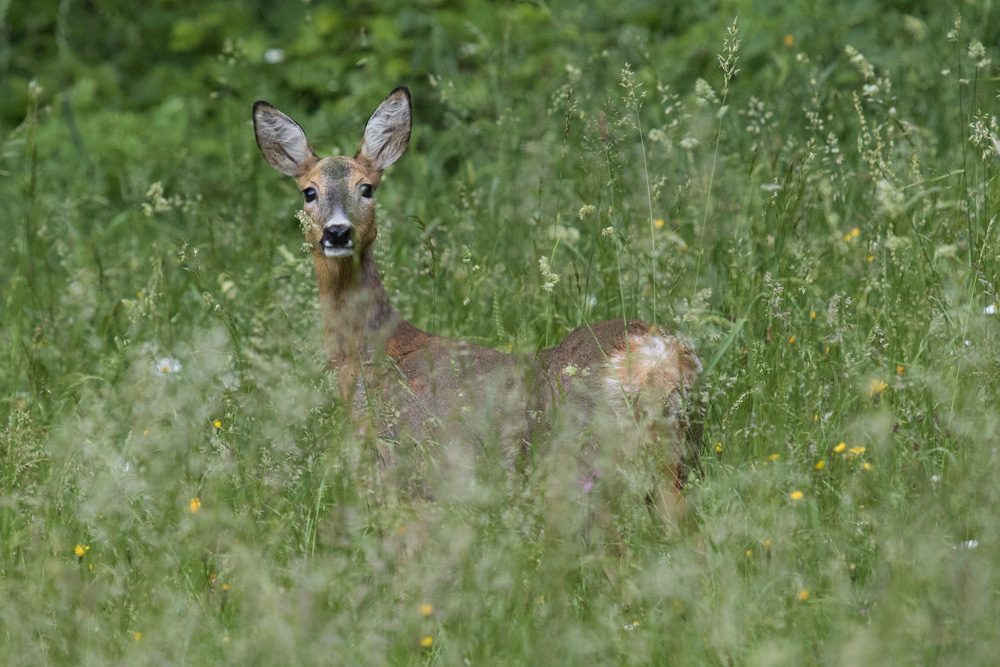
(810, 194)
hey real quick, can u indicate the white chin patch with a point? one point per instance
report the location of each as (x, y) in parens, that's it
(338, 252)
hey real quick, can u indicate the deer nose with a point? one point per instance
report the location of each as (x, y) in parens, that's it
(336, 236)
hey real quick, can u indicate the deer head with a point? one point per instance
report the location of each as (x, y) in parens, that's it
(338, 191)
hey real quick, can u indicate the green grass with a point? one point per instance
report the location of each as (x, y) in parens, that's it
(822, 229)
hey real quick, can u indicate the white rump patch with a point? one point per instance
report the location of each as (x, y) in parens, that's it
(654, 361)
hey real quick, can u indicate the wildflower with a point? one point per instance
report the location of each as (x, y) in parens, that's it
(840, 447)
(166, 366)
(195, 505)
(550, 277)
(689, 143)
(704, 93)
(802, 595)
(789, 40)
(899, 369)
(977, 52)
(867, 466)
(774, 457)
(137, 636)
(217, 424)
(718, 447)
(812, 314)
(815, 418)
(855, 451)
(791, 340)
(225, 587)
(990, 309)
(273, 56)
(80, 551)
(749, 553)
(426, 609)
(586, 211)
(139, 294)
(427, 642)
(819, 465)
(767, 544)
(876, 388)
(659, 223)
(796, 495)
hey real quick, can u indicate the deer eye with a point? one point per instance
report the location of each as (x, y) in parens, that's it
(309, 194)
(367, 190)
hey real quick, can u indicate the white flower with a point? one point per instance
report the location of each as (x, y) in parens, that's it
(166, 366)
(274, 56)
(688, 143)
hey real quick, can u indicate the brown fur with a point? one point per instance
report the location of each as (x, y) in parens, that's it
(628, 367)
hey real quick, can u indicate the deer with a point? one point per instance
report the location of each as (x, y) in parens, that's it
(627, 367)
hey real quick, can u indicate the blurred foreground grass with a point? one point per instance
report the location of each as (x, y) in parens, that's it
(178, 484)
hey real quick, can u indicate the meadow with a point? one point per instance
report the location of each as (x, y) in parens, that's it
(807, 192)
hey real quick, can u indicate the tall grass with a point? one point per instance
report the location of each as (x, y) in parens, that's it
(179, 482)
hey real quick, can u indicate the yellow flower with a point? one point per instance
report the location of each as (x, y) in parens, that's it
(749, 554)
(855, 232)
(195, 505)
(767, 544)
(867, 466)
(718, 447)
(856, 450)
(899, 369)
(217, 424)
(789, 40)
(139, 294)
(774, 457)
(871, 258)
(840, 447)
(796, 495)
(791, 340)
(137, 635)
(876, 388)
(658, 223)
(146, 432)
(80, 550)
(427, 642)
(225, 587)
(812, 314)
(819, 465)
(802, 595)
(426, 609)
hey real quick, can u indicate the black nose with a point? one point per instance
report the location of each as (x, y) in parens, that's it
(336, 236)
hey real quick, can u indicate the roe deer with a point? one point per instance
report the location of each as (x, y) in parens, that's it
(626, 367)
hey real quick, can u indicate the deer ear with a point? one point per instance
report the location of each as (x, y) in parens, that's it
(388, 130)
(281, 141)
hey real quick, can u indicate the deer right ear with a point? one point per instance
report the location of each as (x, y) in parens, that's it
(281, 141)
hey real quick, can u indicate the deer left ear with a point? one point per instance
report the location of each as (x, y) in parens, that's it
(388, 130)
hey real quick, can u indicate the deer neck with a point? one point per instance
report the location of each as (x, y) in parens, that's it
(355, 307)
